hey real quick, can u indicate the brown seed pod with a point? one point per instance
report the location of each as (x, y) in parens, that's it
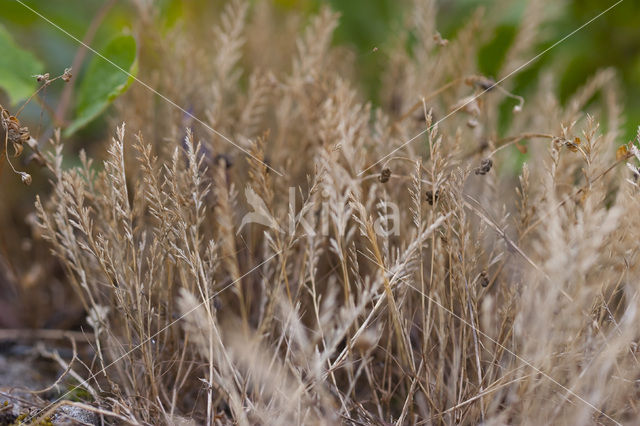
(40, 78)
(484, 278)
(67, 75)
(621, 152)
(385, 174)
(14, 134)
(521, 148)
(431, 197)
(486, 84)
(26, 178)
(442, 42)
(485, 167)
(573, 146)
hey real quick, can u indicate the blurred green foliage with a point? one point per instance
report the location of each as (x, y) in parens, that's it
(17, 66)
(366, 25)
(53, 51)
(105, 80)
(610, 40)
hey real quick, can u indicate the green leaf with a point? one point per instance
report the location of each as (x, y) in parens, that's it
(104, 82)
(17, 68)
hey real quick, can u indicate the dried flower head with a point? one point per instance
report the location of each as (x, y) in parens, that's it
(15, 135)
(622, 152)
(66, 76)
(485, 84)
(25, 177)
(483, 278)
(485, 167)
(442, 42)
(574, 145)
(42, 77)
(385, 174)
(431, 197)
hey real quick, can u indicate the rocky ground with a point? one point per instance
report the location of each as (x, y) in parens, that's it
(29, 382)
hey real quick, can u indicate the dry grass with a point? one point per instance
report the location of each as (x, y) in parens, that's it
(482, 298)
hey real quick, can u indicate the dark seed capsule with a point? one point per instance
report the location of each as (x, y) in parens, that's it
(385, 174)
(431, 197)
(42, 77)
(485, 167)
(484, 278)
(486, 84)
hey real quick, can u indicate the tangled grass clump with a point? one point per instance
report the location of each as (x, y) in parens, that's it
(377, 281)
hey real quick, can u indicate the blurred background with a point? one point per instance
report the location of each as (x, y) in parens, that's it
(29, 45)
(611, 40)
